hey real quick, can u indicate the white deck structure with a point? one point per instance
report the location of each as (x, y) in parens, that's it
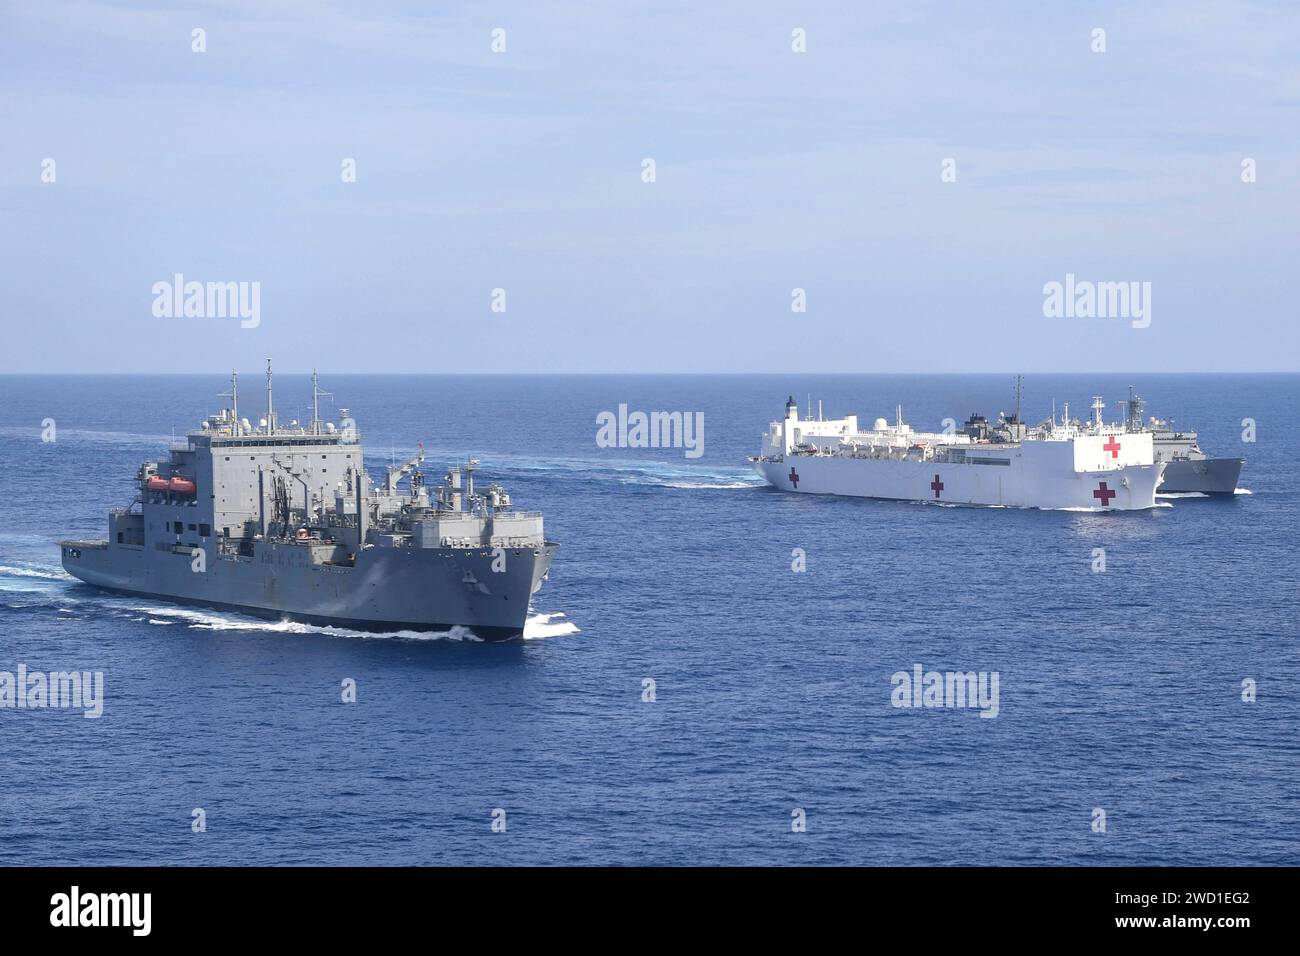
(1106, 470)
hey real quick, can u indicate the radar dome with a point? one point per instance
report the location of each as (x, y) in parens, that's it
(880, 425)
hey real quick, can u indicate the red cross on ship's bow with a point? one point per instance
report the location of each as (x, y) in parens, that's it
(794, 478)
(936, 486)
(1104, 494)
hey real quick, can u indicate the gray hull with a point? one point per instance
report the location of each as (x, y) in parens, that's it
(388, 589)
(1209, 476)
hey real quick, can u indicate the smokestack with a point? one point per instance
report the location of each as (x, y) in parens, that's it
(453, 483)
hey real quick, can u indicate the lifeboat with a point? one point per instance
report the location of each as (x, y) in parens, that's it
(177, 486)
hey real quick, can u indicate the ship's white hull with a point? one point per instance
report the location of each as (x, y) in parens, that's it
(1128, 488)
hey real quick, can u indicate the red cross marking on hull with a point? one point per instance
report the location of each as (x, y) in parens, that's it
(1104, 494)
(936, 485)
(794, 477)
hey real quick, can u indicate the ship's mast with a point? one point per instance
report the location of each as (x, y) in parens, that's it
(316, 393)
(270, 408)
(1134, 405)
(1097, 406)
(233, 395)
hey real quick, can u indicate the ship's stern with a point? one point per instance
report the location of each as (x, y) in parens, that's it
(99, 564)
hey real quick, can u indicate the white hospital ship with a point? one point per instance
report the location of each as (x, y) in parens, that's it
(1056, 466)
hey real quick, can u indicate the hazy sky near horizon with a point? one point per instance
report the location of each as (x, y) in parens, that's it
(775, 170)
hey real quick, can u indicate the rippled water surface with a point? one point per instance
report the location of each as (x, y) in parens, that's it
(1120, 691)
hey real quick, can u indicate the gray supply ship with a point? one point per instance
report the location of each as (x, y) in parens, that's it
(284, 522)
(1187, 468)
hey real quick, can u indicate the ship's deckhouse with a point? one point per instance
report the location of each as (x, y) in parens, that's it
(233, 481)
(252, 479)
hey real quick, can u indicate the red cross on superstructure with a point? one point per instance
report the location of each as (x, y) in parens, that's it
(794, 477)
(1104, 494)
(1111, 446)
(936, 485)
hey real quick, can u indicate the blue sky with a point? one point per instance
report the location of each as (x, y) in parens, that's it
(775, 170)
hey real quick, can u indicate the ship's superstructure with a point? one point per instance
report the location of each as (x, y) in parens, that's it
(1001, 463)
(284, 521)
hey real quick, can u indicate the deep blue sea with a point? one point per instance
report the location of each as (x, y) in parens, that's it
(1120, 691)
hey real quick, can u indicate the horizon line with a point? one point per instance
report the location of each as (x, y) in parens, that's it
(641, 374)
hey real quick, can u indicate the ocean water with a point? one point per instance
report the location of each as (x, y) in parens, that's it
(1120, 691)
